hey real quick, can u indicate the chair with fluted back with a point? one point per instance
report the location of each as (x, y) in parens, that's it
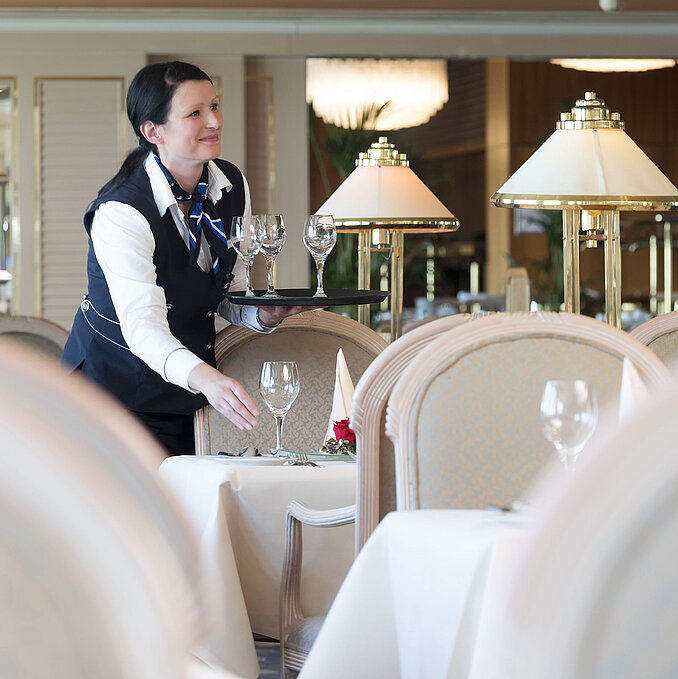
(41, 334)
(89, 530)
(464, 416)
(312, 339)
(375, 490)
(660, 334)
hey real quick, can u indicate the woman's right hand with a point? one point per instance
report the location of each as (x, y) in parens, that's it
(225, 394)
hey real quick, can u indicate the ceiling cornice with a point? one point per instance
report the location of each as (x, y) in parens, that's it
(337, 22)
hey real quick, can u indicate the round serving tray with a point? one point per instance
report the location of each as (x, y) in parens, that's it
(305, 297)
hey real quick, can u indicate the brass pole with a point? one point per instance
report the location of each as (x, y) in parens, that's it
(668, 269)
(397, 253)
(571, 227)
(612, 250)
(653, 274)
(364, 254)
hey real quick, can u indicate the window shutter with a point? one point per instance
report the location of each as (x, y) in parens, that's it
(80, 128)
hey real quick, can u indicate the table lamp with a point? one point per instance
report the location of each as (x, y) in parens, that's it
(381, 200)
(591, 170)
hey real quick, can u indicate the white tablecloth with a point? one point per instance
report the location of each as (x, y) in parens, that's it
(238, 512)
(418, 600)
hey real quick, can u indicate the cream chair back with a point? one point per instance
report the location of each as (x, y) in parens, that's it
(39, 333)
(660, 334)
(594, 591)
(375, 492)
(312, 339)
(464, 416)
(101, 564)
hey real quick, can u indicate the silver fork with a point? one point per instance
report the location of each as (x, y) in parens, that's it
(303, 458)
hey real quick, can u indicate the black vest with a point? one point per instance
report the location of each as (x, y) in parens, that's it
(96, 345)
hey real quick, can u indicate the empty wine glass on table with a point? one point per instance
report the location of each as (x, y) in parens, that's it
(320, 235)
(279, 387)
(569, 414)
(273, 239)
(246, 236)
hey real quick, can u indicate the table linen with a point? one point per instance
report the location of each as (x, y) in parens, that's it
(418, 600)
(238, 513)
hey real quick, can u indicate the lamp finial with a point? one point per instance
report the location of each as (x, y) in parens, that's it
(382, 153)
(589, 112)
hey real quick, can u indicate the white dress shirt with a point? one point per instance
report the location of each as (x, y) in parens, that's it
(123, 243)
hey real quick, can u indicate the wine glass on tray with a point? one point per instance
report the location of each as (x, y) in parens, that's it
(569, 414)
(246, 238)
(320, 235)
(279, 387)
(273, 239)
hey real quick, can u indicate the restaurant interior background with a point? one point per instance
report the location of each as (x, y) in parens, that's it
(64, 72)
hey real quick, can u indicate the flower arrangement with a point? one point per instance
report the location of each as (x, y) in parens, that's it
(343, 442)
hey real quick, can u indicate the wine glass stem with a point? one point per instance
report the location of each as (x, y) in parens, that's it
(279, 421)
(248, 278)
(570, 463)
(269, 275)
(320, 264)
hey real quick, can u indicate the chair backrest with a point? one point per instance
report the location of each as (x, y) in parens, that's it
(312, 339)
(102, 566)
(464, 416)
(39, 333)
(593, 593)
(375, 492)
(660, 334)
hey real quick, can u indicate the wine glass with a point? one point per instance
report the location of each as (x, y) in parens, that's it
(569, 414)
(246, 237)
(320, 235)
(272, 242)
(279, 387)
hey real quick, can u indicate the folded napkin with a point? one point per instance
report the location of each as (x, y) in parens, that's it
(343, 395)
(633, 390)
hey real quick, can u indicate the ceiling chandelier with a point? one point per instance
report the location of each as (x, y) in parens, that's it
(614, 65)
(377, 94)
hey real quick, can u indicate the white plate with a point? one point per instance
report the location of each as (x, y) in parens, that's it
(260, 460)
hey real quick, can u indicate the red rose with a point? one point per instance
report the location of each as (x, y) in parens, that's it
(342, 432)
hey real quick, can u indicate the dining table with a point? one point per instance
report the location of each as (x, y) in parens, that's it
(420, 599)
(237, 509)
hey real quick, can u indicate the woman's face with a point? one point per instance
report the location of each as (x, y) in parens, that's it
(192, 133)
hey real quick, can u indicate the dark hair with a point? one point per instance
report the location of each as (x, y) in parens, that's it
(149, 98)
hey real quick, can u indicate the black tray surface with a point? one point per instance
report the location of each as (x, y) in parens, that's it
(305, 297)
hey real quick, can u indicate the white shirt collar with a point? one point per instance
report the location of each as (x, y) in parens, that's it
(162, 193)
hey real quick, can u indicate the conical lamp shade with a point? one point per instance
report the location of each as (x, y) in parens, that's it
(387, 195)
(596, 167)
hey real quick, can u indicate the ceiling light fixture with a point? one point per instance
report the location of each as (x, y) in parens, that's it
(614, 65)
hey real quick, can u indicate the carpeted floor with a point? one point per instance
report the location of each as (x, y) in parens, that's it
(268, 653)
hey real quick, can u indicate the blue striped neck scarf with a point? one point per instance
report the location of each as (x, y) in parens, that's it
(202, 219)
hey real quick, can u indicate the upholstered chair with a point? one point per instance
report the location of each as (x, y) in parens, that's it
(593, 593)
(312, 339)
(101, 558)
(661, 335)
(464, 416)
(375, 490)
(39, 333)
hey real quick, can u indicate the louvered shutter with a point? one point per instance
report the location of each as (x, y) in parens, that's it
(80, 147)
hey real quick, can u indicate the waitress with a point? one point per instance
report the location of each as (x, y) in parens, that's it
(159, 264)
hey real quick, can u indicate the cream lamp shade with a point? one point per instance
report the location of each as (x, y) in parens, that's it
(384, 190)
(588, 167)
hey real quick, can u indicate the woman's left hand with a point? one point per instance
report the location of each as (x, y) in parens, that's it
(270, 316)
